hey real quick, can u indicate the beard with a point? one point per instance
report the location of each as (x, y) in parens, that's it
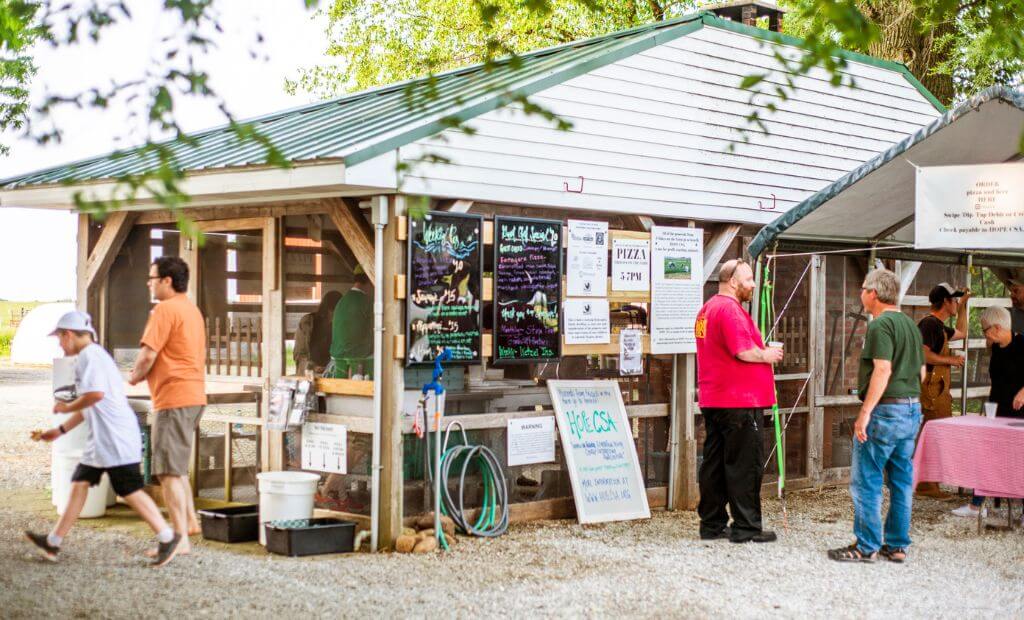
(744, 294)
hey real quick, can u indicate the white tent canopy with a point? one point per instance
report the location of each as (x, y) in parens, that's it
(33, 343)
(874, 204)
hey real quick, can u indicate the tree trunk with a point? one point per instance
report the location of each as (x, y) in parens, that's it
(905, 40)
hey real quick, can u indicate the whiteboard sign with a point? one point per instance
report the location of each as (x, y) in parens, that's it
(531, 440)
(970, 207)
(597, 441)
(631, 264)
(324, 447)
(677, 287)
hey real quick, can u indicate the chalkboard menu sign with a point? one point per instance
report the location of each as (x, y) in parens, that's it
(527, 289)
(444, 300)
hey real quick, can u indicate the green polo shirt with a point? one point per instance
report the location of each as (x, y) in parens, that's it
(894, 337)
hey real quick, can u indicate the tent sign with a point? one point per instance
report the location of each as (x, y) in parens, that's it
(970, 207)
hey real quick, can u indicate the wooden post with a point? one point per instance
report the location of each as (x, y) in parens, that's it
(684, 435)
(392, 385)
(188, 251)
(82, 287)
(816, 359)
(272, 338)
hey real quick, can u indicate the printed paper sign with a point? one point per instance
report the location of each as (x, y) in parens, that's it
(586, 321)
(588, 259)
(631, 352)
(677, 287)
(531, 440)
(970, 207)
(600, 455)
(631, 264)
(324, 447)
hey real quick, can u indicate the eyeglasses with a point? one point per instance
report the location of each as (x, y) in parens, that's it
(155, 278)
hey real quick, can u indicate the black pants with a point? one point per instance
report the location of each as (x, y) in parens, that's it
(731, 472)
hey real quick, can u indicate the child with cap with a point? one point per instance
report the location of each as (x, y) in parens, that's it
(114, 446)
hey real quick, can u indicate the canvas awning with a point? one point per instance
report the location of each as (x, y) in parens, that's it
(874, 204)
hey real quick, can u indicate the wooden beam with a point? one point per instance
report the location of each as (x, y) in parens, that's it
(115, 231)
(188, 251)
(272, 454)
(683, 436)
(716, 247)
(816, 360)
(356, 232)
(392, 383)
(460, 206)
(81, 288)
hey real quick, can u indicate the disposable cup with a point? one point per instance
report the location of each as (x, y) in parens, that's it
(775, 344)
(990, 409)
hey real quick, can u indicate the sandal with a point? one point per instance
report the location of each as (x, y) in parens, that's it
(893, 554)
(851, 554)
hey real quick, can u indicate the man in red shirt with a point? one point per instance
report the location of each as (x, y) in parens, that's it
(735, 384)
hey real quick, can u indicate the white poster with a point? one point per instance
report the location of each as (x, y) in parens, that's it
(588, 259)
(677, 287)
(970, 207)
(631, 264)
(324, 447)
(597, 441)
(586, 321)
(631, 352)
(531, 440)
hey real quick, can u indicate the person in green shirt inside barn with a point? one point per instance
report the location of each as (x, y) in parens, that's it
(352, 331)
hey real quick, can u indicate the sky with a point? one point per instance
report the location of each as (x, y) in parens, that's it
(38, 247)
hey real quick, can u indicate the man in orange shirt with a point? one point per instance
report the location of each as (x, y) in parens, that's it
(173, 351)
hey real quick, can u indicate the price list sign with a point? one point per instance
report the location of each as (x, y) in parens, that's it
(444, 300)
(527, 289)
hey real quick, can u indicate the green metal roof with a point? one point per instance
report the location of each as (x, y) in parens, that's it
(359, 126)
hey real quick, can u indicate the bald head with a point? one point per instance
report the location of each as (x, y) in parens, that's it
(736, 279)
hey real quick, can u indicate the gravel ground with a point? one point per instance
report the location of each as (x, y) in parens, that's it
(641, 569)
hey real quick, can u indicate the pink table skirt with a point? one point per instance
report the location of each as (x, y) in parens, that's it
(984, 454)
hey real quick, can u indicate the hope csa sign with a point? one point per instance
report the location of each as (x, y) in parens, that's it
(600, 455)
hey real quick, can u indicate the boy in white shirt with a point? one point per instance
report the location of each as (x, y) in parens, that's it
(114, 446)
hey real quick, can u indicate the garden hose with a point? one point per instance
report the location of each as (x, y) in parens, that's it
(493, 518)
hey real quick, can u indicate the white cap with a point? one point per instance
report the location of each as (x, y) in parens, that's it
(75, 320)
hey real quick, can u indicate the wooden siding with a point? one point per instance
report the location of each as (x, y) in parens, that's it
(652, 133)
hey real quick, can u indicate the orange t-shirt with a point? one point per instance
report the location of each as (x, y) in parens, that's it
(177, 333)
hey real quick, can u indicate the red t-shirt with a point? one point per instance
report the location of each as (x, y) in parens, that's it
(724, 330)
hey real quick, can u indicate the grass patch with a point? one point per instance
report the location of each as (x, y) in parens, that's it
(7, 307)
(6, 336)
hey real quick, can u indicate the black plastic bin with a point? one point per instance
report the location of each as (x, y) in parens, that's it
(231, 525)
(300, 537)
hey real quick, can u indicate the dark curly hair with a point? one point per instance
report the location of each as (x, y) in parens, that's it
(174, 268)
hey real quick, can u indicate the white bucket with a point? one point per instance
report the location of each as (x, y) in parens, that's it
(63, 467)
(285, 495)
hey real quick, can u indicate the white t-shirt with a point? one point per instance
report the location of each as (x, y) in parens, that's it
(114, 435)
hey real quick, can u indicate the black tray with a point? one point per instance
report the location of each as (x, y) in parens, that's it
(231, 525)
(300, 537)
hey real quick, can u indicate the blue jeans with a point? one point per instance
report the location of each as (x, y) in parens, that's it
(886, 457)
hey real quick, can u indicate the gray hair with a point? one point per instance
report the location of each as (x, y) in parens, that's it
(885, 284)
(995, 315)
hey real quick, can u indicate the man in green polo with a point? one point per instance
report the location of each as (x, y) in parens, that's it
(352, 331)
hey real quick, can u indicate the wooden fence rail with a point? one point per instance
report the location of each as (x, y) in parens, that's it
(234, 346)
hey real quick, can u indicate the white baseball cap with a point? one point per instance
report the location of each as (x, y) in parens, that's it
(75, 320)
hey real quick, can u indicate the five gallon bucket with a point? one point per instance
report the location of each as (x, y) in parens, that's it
(285, 495)
(62, 468)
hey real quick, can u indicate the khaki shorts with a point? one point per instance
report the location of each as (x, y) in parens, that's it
(173, 431)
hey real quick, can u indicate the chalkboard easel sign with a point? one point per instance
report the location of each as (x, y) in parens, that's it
(527, 290)
(445, 282)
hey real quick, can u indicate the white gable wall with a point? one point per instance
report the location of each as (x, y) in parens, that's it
(651, 135)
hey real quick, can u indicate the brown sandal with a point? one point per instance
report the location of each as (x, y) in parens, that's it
(851, 554)
(893, 554)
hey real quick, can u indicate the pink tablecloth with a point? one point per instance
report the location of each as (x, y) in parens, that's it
(984, 454)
